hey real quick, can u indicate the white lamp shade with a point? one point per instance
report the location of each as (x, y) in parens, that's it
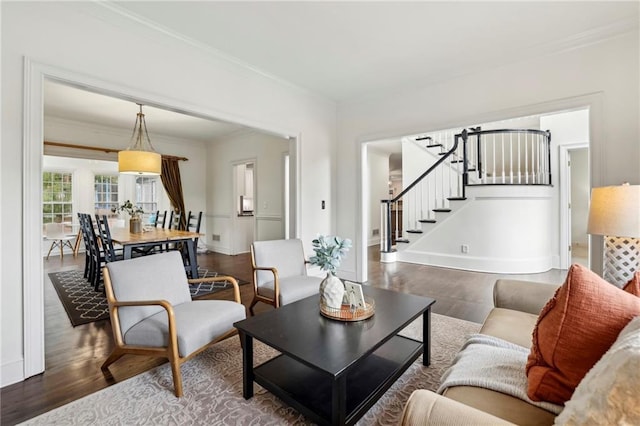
(615, 211)
(139, 162)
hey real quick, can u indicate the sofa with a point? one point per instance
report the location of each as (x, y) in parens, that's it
(518, 307)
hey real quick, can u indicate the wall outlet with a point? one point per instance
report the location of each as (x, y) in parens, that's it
(215, 237)
(464, 248)
(375, 232)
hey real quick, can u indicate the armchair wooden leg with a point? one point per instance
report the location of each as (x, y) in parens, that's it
(115, 355)
(177, 377)
(253, 303)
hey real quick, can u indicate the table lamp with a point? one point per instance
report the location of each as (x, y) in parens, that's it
(615, 214)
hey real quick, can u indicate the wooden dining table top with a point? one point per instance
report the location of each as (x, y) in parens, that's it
(123, 236)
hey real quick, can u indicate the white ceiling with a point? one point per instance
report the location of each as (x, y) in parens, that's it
(70, 103)
(345, 51)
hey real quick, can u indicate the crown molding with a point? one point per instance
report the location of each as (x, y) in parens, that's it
(593, 36)
(159, 28)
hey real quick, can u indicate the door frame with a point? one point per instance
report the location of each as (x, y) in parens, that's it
(34, 75)
(597, 157)
(565, 197)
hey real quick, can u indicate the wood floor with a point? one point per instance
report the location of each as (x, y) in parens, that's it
(73, 355)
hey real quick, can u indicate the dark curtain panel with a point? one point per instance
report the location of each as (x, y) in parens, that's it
(173, 185)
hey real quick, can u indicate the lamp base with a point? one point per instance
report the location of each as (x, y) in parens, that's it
(621, 259)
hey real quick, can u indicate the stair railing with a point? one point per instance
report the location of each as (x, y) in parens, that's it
(499, 157)
(385, 237)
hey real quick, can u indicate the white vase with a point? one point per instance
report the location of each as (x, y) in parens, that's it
(331, 291)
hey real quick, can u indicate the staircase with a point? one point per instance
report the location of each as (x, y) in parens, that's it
(513, 162)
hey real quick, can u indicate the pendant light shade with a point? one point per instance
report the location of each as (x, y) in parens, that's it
(140, 158)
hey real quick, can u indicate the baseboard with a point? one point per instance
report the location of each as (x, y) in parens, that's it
(478, 264)
(11, 372)
(219, 249)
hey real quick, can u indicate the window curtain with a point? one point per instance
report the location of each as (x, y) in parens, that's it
(173, 185)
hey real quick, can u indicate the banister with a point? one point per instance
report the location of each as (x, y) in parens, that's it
(541, 173)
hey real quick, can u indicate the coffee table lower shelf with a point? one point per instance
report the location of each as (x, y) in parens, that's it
(311, 391)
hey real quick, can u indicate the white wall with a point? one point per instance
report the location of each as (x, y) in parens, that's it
(503, 226)
(378, 172)
(90, 44)
(604, 74)
(267, 153)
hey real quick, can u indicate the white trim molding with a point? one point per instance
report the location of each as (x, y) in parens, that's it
(32, 267)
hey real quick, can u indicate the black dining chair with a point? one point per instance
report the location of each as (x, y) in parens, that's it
(96, 256)
(193, 225)
(175, 220)
(110, 252)
(160, 220)
(85, 239)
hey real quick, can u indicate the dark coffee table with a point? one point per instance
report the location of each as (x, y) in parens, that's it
(332, 371)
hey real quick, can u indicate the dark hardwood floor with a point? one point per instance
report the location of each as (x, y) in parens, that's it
(73, 355)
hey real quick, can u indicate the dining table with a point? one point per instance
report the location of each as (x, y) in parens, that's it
(151, 237)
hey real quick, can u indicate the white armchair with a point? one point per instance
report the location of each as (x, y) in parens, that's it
(280, 273)
(152, 312)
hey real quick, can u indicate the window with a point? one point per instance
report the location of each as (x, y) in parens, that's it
(146, 194)
(57, 200)
(106, 194)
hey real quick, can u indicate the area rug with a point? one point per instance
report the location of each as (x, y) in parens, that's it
(213, 389)
(84, 305)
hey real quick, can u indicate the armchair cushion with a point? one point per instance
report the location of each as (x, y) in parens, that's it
(198, 323)
(287, 256)
(138, 279)
(292, 288)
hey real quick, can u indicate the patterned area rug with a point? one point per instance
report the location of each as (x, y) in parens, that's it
(84, 305)
(213, 389)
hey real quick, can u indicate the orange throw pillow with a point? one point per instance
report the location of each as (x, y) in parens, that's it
(633, 286)
(573, 331)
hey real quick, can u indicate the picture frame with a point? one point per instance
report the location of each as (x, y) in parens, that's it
(354, 294)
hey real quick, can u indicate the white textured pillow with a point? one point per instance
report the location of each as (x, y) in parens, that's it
(610, 392)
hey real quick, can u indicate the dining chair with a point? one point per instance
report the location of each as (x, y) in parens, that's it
(96, 255)
(152, 312)
(280, 273)
(85, 239)
(160, 219)
(54, 232)
(111, 254)
(175, 220)
(193, 225)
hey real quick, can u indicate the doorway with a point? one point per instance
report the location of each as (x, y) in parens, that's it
(574, 202)
(245, 198)
(32, 266)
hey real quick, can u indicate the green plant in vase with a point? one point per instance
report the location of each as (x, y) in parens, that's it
(329, 252)
(134, 212)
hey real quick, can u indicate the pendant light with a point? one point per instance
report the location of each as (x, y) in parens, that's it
(140, 158)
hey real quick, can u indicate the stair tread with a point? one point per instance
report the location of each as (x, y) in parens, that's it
(414, 231)
(435, 145)
(424, 138)
(427, 221)
(402, 240)
(457, 198)
(457, 161)
(442, 210)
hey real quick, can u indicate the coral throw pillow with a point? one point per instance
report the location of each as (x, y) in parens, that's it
(633, 286)
(574, 330)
